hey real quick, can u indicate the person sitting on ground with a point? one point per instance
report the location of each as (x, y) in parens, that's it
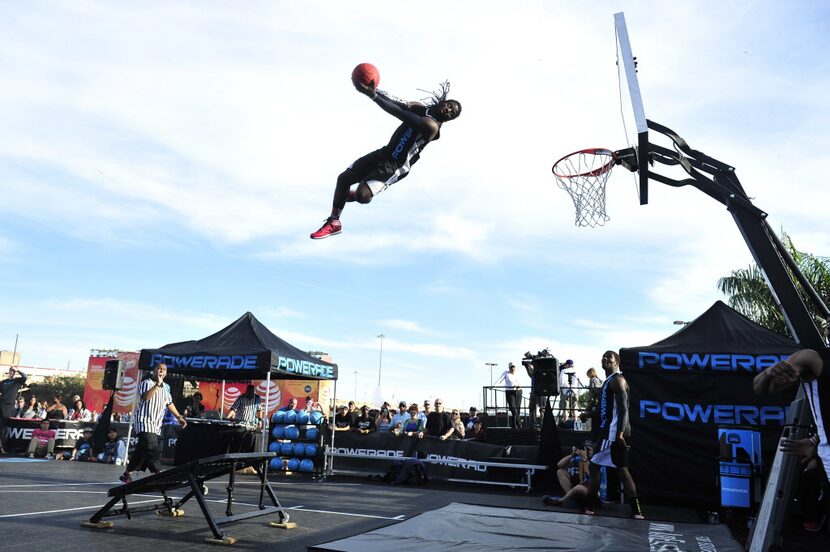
(82, 451)
(479, 432)
(457, 426)
(471, 421)
(342, 420)
(573, 475)
(57, 410)
(402, 416)
(79, 413)
(43, 442)
(114, 449)
(439, 423)
(414, 426)
(364, 423)
(383, 421)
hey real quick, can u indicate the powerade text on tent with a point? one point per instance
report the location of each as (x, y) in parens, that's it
(305, 367)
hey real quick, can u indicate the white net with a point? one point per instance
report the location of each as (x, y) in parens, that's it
(583, 175)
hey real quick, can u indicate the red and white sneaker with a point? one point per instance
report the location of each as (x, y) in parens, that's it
(330, 228)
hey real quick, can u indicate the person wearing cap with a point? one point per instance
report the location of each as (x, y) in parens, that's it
(402, 415)
(9, 389)
(82, 450)
(511, 393)
(342, 420)
(573, 475)
(363, 423)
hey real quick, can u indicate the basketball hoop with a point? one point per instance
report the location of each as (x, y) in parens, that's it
(583, 175)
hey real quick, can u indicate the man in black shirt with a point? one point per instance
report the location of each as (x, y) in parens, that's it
(342, 420)
(9, 389)
(364, 424)
(439, 423)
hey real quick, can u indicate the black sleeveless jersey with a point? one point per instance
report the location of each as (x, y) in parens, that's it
(613, 416)
(406, 144)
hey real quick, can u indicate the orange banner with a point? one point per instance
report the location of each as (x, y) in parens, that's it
(95, 397)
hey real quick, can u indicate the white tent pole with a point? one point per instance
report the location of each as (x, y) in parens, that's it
(330, 468)
(222, 402)
(263, 445)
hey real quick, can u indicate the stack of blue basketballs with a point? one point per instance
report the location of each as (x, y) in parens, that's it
(296, 439)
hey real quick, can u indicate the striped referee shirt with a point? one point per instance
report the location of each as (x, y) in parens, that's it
(149, 414)
(246, 409)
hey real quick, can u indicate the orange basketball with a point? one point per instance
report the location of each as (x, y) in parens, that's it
(365, 73)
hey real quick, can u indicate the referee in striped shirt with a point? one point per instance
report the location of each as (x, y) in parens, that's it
(155, 399)
(247, 408)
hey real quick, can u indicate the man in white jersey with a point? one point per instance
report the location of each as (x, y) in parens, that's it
(248, 408)
(154, 399)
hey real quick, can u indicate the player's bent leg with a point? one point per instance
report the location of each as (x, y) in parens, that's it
(364, 193)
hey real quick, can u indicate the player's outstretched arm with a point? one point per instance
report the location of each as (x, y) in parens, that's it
(803, 365)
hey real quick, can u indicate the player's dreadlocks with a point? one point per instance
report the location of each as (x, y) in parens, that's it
(436, 98)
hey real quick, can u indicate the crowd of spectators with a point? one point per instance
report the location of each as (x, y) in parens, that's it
(42, 442)
(412, 421)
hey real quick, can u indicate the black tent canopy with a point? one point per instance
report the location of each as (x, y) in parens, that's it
(684, 387)
(244, 350)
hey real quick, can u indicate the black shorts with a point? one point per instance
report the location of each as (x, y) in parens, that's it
(378, 171)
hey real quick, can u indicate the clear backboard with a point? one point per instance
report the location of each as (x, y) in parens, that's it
(634, 115)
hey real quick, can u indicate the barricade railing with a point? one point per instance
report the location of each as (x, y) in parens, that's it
(526, 482)
(569, 405)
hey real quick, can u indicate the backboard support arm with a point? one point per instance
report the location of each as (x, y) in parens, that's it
(719, 181)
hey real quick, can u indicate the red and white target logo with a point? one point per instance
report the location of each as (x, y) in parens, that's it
(126, 395)
(272, 391)
(231, 394)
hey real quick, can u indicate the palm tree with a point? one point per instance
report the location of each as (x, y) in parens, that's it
(748, 293)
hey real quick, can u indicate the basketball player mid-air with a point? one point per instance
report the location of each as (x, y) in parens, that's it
(378, 170)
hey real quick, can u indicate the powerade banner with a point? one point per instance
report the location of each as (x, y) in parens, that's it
(449, 459)
(684, 388)
(19, 432)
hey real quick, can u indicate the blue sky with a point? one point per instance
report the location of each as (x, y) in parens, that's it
(162, 164)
